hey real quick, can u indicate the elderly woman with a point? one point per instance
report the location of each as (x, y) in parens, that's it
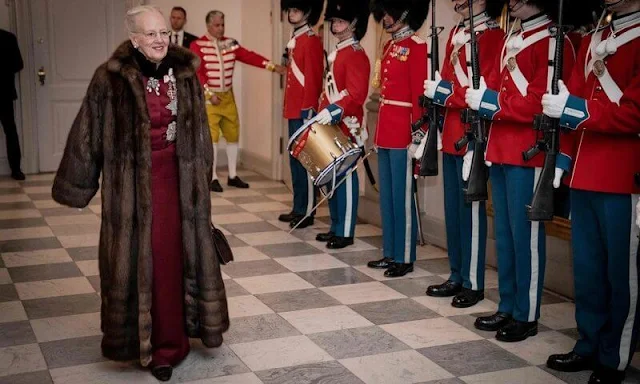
(143, 126)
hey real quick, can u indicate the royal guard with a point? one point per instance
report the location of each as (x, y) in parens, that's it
(400, 73)
(466, 223)
(346, 88)
(218, 55)
(522, 75)
(305, 68)
(599, 106)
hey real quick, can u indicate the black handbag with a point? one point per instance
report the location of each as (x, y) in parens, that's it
(221, 245)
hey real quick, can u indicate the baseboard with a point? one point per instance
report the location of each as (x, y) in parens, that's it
(256, 163)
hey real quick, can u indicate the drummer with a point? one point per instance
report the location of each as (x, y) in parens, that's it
(346, 86)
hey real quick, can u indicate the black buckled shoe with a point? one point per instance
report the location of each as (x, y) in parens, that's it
(606, 375)
(304, 223)
(324, 237)
(162, 372)
(517, 331)
(18, 175)
(288, 217)
(398, 270)
(339, 242)
(381, 264)
(492, 323)
(569, 362)
(237, 182)
(447, 289)
(467, 298)
(215, 186)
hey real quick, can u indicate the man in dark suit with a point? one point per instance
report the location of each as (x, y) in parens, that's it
(178, 20)
(11, 65)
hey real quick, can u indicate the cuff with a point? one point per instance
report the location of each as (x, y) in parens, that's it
(575, 112)
(489, 105)
(307, 114)
(563, 161)
(269, 66)
(444, 90)
(336, 113)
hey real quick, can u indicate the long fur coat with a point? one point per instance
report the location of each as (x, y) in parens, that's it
(111, 136)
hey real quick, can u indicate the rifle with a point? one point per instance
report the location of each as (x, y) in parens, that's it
(542, 204)
(477, 132)
(429, 160)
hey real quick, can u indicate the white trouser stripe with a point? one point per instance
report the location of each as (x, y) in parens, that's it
(349, 210)
(310, 192)
(407, 212)
(535, 259)
(475, 244)
(627, 331)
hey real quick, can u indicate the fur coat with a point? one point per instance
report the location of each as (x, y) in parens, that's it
(111, 136)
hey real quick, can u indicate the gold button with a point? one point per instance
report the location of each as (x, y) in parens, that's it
(506, 78)
(504, 89)
(386, 70)
(388, 62)
(598, 88)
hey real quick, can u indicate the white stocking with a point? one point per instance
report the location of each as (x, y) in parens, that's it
(232, 155)
(215, 161)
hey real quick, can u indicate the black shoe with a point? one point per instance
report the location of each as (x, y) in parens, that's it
(215, 186)
(398, 270)
(162, 372)
(492, 323)
(18, 175)
(447, 289)
(324, 237)
(381, 264)
(288, 217)
(467, 298)
(236, 182)
(606, 375)
(338, 242)
(517, 331)
(569, 362)
(304, 223)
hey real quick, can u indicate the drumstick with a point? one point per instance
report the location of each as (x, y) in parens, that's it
(329, 194)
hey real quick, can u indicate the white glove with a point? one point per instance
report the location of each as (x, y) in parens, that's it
(466, 165)
(354, 126)
(324, 117)
(412, 149)
(638, 214)
(473, 97)
(421, 147)
(557, 179)
(430, 86)
(487, 162)
(439, 141)
(553, 105)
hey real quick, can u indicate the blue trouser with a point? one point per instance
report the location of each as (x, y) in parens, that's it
(304, 197)
(605, 269)
(343, 206)
(466, 228)
(397, 205)
(520, 243)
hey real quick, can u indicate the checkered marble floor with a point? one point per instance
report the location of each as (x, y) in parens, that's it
(300, 313)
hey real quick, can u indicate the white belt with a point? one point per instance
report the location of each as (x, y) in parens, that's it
(396, 103)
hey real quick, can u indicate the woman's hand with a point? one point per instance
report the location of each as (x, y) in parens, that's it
(215, 100)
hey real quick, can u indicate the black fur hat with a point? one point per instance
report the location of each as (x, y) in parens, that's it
(494, 8)
(418, 10)
(312, 7)
(575, 12)
(350, 10)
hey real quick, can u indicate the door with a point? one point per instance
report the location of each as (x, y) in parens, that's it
(71, 39)
(285, 36)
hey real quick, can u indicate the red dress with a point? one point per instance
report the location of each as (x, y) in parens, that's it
(168, 336)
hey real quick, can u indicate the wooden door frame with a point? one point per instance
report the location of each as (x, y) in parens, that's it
(278, 142)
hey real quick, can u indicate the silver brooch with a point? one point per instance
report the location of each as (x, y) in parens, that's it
(172, 131)
(153, 85)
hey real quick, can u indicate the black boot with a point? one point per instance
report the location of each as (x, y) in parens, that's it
(467, 298)
(288, 217)
(517, 331)
(18, 175)
(236, 182)
(339, 242)
(606, 375)
(324, 237)
(162, 372)
(304, 223)
(381, 264)
(215, 186)
(398, 270)
(447, 289)
(492, 323)
(569, 362)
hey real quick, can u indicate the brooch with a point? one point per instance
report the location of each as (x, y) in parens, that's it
(172, 92)
(153, 85)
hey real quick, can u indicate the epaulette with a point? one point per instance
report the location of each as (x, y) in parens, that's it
(418, 39)
(357, 47)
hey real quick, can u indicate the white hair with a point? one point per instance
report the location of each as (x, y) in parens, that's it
(132, 15)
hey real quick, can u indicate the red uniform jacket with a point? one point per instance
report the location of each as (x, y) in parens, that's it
(304, 74)
(512, 132)
(490, 42)
(218, 59)
(350, 71)
(403, 72)
(605, 148)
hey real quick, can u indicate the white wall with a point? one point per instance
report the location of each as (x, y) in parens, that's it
(5, 22)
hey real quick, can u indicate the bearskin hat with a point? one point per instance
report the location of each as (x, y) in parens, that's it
(350, 10)
(418, 10)
(312, 7)
(576, 12)
(494, 8)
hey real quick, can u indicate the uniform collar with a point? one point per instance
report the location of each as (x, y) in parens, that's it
(477, 20)
(535, 22)
(346, 43)
(621, 22)
(402, 34)
(301, 30)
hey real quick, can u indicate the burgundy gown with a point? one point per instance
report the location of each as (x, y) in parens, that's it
(169, 340)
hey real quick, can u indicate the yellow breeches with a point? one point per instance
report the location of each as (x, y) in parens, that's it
(223, 118)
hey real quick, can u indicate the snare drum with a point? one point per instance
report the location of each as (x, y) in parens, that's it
(324, 151)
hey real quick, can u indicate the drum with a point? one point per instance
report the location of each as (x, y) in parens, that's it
(324, 151)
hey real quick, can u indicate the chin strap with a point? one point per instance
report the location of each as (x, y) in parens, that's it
(402, 18)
